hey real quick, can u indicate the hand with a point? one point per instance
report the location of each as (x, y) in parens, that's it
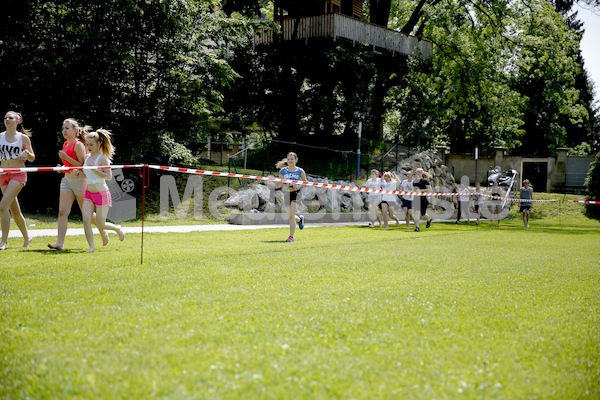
(24, 153)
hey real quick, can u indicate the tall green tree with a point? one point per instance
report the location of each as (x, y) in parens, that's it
(151, 71)
(505, 74)
(548, 66)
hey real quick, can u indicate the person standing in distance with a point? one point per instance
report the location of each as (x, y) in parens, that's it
(374, 182)
(407, 200)
(463, 199)
(525, 207)
(389, 200)
(421, 202)
(477, 201)
(15, 149)
(289, 170)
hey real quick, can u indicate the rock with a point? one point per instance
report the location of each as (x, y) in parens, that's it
(265, 197)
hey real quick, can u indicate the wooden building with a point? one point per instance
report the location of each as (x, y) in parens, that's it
(303, 20)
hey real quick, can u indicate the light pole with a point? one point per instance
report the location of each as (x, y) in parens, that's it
(476, 159)
(358, 151)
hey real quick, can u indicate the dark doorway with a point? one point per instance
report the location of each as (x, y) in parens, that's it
(537, 173)
(347, 7)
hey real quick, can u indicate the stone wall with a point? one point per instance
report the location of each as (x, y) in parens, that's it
(266, 198)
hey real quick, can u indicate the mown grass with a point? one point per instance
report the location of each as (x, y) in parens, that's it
(562, 208)
(344, 312)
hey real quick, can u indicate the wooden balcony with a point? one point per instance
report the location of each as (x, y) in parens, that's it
(337, 26)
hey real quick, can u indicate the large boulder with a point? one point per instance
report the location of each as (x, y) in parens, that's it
(266, 197)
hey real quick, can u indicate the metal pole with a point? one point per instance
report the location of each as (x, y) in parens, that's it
(476, 159)
(358, 151)
(245, 152)
(145, 175)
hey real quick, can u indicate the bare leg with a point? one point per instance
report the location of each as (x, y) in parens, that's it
(107, 225)
(292, 217)
(65, 203)
(15, 210)
(385, 213)
(86, 212)
(393, 216)
(372, 213)
(101, 213)
(9, 195)
(407, 215)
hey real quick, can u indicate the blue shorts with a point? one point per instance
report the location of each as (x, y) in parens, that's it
(406, 203)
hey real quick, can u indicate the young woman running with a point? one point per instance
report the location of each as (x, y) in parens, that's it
(73, 183)
(15, 149)
(97, 197)
(289, 170)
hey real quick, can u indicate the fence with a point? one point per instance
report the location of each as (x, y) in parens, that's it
(318, 161)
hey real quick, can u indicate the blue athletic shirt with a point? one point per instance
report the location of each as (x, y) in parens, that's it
(295, 175)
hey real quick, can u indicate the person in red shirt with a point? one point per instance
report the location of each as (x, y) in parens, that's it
(73, 183)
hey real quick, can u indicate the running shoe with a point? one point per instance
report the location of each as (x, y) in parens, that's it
(417, 229)
(301, 222)
(429, 223)
(290, 239)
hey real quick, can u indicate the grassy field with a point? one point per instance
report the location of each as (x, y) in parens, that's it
(344, 312)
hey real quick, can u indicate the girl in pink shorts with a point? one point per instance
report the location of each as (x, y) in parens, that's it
(97, 196)
(15, 149)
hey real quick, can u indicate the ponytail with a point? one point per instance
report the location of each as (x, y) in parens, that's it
(281, 164)
(81, 131)
(102, 137)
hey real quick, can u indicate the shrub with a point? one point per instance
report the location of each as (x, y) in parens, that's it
(592, 182)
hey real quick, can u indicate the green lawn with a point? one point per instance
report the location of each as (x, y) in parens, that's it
(344, 312)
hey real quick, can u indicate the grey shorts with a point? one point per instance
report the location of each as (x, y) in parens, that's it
(76, 186)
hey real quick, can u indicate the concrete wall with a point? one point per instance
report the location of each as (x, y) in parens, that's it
(559, 170)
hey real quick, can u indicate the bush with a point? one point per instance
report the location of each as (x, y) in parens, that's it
(592, 182)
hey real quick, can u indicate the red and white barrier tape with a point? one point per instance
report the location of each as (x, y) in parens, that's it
(349, 188)
(60, 169)
(587, 201)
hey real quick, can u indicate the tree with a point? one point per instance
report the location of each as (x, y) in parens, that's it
(548, 66)
(152, 72)
(505, 73)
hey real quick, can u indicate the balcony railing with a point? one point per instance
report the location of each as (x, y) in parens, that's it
(337, 26)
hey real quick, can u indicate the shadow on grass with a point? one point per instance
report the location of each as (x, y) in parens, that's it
(538, 227)
(53, 251)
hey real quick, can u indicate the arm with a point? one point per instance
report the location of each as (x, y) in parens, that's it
(303, 178)
(79, 151)
(428, 188)
(27, 154)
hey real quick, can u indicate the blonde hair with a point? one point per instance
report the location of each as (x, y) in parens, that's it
(102, 137)
(81, 131)
(20, 128)
(283, 162)
(421, 171)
